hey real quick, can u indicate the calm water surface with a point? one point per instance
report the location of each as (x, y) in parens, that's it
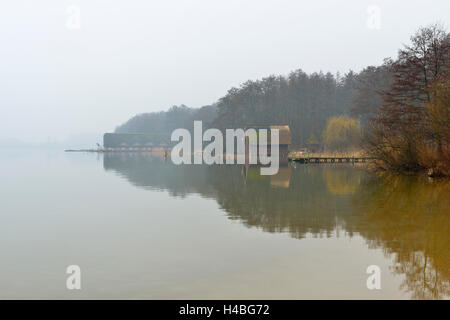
(142, 228)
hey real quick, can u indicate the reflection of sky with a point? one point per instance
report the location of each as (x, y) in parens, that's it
(137, 242)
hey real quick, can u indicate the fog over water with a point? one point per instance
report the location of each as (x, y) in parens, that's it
(144, 56)
(141, 227)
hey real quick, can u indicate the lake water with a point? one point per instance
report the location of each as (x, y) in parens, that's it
(140, 227)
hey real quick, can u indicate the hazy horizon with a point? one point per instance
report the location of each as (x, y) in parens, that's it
(60, 81)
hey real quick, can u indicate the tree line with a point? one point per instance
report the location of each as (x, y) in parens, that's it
(410, 131)
(164, 122)
(304, 102)
(398, 110)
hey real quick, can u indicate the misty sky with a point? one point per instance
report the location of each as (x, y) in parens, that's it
(130, 57)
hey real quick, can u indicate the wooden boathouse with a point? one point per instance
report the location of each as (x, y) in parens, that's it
(134, 141)
(283, 143)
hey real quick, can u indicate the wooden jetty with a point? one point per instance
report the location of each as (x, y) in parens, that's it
(84, 150)
(307, 159)
(121, 150)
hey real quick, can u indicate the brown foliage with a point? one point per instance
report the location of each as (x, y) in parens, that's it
(411, 129)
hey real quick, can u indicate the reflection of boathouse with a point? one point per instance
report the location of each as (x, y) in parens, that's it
(135, 141)
(281, 179)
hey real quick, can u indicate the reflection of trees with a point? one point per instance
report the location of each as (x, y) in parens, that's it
(151, 172)
(406, 216)
(294, 201)
(340, 180)
(299, 209)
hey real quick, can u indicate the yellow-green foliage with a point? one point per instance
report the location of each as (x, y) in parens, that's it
(342, 133)
(312, 140)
